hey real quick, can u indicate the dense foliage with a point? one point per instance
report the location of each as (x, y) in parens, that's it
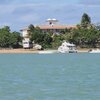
(9, 39)
(86, 34)
(40, 37)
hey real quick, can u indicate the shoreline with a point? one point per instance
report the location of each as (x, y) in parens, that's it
(27, 51)
(16, 51)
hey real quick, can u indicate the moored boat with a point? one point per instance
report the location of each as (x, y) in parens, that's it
(67, 48)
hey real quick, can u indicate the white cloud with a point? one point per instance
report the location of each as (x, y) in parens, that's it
(21, 15)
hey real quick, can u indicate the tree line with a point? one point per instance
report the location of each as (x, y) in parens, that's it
(85, 35)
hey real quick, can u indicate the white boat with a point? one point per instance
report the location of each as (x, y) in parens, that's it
(67, 48)
(95, 51)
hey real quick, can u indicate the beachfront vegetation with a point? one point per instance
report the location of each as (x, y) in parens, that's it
(39, 37)
(85, 35)
(9, 39)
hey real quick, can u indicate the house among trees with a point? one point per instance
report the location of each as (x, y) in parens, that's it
(52, 26)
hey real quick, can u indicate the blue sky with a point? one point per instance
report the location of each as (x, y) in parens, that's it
(20, 13)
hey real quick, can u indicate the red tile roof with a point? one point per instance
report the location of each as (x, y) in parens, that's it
(44, 27)
(55, 27)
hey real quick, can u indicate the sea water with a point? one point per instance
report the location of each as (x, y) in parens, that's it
(50, 76)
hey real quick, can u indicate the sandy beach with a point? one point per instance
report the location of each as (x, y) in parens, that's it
(30, 50)
(23, 51)
(83, 50)
(18, 51)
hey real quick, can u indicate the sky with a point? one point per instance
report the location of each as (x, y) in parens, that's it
(18, 14)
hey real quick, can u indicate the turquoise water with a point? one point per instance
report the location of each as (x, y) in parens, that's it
(50, 77)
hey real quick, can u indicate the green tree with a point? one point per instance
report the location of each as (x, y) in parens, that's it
(57, 40)
(85, 21)
(15, 39)
(4, 37)
(8, 38)
(31, 27)
(47, 40)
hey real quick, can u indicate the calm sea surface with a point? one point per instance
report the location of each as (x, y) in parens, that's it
(50, 77)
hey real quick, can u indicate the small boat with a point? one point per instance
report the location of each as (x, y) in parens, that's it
(94, 51)
(67, 48)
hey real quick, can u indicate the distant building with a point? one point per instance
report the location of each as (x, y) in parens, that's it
(55, 29)
(52, 27)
